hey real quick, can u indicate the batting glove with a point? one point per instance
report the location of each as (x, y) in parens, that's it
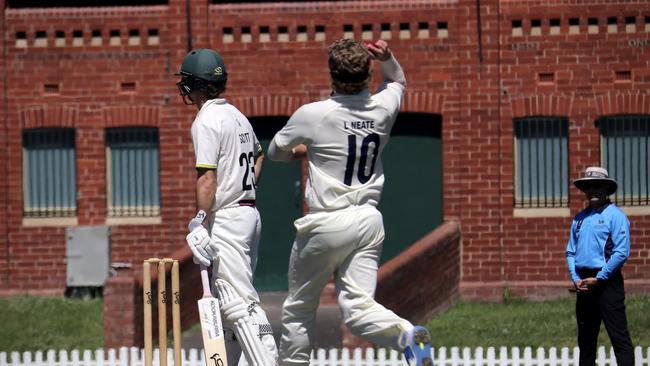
(202, 247)
(197, 220)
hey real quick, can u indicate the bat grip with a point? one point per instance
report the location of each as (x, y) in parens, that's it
(205, 280)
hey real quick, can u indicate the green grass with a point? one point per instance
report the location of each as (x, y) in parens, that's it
(29, 323)
(40, 323)
(517, 323)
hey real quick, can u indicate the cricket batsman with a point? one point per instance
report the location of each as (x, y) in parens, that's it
(225, 232)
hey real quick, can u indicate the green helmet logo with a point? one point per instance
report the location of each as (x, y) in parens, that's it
(204, 64)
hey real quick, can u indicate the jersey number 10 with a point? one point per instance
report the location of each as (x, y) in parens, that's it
(372, 138)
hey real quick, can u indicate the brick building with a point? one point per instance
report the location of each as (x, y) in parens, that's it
(507, 102)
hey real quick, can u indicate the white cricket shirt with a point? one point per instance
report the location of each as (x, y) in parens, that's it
(224, 140)
(345, 136)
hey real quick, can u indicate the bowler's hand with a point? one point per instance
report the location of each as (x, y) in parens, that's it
(379, 50)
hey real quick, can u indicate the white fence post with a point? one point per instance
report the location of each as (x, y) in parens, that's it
(503, 356)
(51, 357)
(516, 359)
(357, 357)
(74, 355)
(63, 358)
(491, 357)
(345, 357)
(454, 356)
(541, 357)
(381, 357)
(27, 358)
(370, 356)
(442, 356)
(552, 357)
(395, 358)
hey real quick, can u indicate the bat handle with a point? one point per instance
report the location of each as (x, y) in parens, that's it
(205, 280)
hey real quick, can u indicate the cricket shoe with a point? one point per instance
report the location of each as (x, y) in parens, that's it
(417, 350)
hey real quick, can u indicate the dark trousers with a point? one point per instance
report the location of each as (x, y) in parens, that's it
(607, 303)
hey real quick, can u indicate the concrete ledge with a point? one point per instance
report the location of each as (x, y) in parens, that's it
(494, 291)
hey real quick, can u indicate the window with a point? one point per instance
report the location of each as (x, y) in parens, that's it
(625, 147)
(49, 173)
(133, 172)
(541, 162)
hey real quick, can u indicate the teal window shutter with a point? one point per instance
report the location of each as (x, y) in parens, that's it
(541, 162)
(625, 147)
(133, 172)
(49, 172)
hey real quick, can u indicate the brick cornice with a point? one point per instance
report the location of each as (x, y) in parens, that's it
(322, 6)
(542, 105)
(622, 103)
(133, 115)
(49, 116)
(423, 102)
(286, 105)
(269, 105)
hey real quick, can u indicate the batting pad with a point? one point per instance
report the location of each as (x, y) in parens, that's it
(235, 311)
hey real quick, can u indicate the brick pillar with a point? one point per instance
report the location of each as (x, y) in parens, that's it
(122, 311)
(4, 184)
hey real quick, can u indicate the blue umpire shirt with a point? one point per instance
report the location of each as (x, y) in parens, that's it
(600, 239)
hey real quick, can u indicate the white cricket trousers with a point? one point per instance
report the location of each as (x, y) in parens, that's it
(346, 243)
(237, 231)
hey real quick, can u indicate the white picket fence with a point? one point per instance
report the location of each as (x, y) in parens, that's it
(453, 356)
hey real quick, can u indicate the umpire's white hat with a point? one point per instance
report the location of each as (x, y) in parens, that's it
(596, 174)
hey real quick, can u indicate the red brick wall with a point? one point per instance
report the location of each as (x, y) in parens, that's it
(433, 260)
(477, 87)
(90, 100)
(4, 272)
(527, 254)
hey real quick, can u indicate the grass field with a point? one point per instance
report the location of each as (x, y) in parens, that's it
(41, 323)
(524, 323)
(30, 323)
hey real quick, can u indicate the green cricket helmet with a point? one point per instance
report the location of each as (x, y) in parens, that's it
(202, 70)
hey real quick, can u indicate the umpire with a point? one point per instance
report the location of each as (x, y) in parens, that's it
(598, 246)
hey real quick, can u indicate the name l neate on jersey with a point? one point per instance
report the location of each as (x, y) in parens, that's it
(244, 138)
(356, 125)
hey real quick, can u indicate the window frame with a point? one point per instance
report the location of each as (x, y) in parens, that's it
(136, 207)
(61, 184)
(523, 197)
(614, 165)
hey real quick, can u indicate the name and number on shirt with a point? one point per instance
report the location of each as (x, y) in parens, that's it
(357, 125)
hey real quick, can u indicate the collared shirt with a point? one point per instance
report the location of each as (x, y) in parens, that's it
(224, 140)
(345, 135)
(599, 239)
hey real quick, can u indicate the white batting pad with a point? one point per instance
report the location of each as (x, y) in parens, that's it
(235, 311)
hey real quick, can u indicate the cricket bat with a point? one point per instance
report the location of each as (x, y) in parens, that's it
(211, 327)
